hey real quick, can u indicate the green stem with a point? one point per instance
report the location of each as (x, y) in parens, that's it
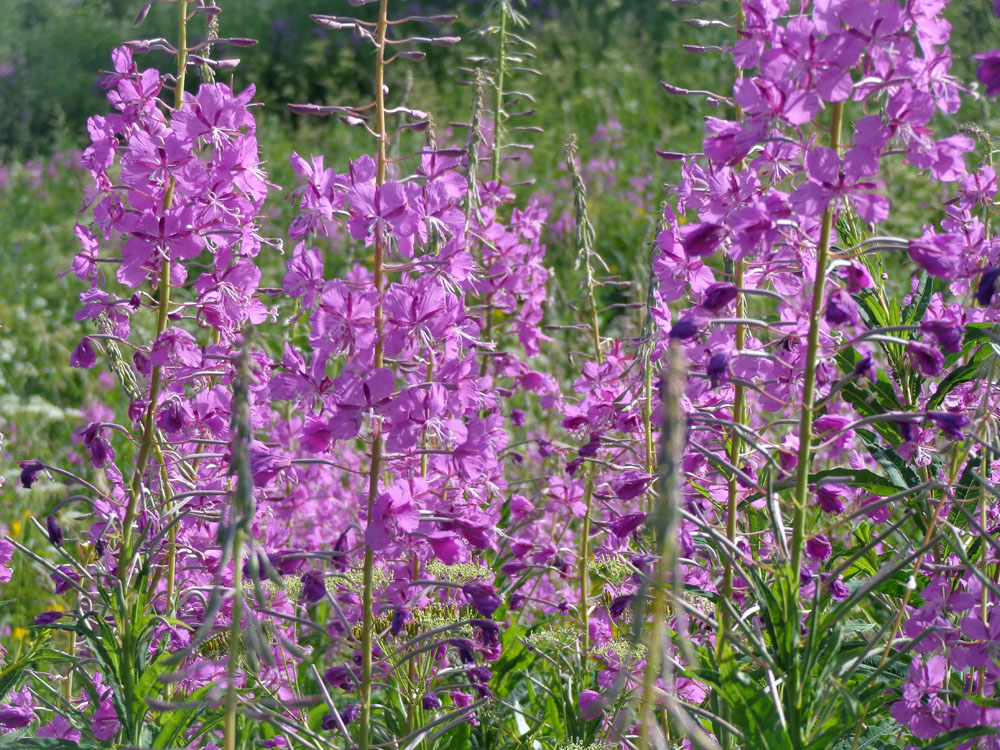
(125, 550)
(582, 564)
(235, 639)
(367, 603)
(801, 498)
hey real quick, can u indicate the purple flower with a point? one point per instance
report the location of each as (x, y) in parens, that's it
(394, 513)
(313, 587)
(818, 548)
(619, 604)
(60, 728)
(339, 677)
(63, 575)
(350, 713)
(625, 525)
(631, 484)
(83, 355)
(104, 723)
(47, 618)
(840, 308)
(925, 359)
(831, 178)
(947, 332)
(717, 368)
(718, 295)
(950, 423)
(19, 712)
(941, 255)
(700, 240)
(988, 70)
(29, 472)
(685, 328)
(430, 701)
(591, 705)
(484, 599)
(830, 497)
(987, 286)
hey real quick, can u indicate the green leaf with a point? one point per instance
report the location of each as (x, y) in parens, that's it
(868, 480)
(963, 374)
(176, 722)
(13, 740)
(872, 737)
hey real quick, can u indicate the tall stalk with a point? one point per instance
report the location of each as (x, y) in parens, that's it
(501, 73)
(665, 576)
(125, 551)
(793, 695)
(148, 426)
(241, 514)
(739, 418)
(368, 615)
(585, 238)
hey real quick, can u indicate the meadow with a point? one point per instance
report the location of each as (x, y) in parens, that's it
(564, 376)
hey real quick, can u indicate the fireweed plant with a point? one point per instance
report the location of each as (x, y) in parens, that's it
(380, 504)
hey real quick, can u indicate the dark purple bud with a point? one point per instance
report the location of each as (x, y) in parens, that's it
(29, 472)
(400, 615)
(544, 447)
(141, 361)
(313, 587)
(488, 632)
(683, 329)
(480, 674)
(483, 598)
(631, 485)
(63, 576)
(339, 555)
(592, 446)
(703, 239)
(329, 723)
(987, 286)
(619, 604)
(55, 531)
(15, 717)
(517, 417)
(950, 423)
(350, 713)
(83, 355)
(99, 548)
(513, 568)
(830, 497)
(718, 295)
(339, 677)
(465, 649)
(988, 70)
(625, 525)
(430, 701)
(574, 466)
(925, 359)
(818, 548)
(865, 368)
(947, 333)
(517, 601)
(483, 690)
(47, 618)
(717, 369)
(837, 589)
(840, 309)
